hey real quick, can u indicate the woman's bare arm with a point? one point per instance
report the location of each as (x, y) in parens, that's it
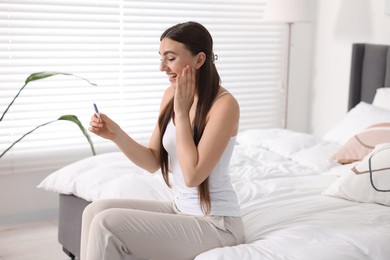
(147, 158)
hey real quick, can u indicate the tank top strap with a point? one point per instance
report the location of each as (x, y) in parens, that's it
(220, 95)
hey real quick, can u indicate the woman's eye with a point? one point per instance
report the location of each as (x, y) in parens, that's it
(167, 59)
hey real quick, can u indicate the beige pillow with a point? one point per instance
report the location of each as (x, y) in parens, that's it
(362, 143)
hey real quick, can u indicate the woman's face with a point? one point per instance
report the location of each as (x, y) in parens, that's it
(174, 57)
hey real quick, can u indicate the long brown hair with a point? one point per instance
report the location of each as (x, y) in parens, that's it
(196, 39)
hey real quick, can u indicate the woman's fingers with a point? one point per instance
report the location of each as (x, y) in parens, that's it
(181, 82)
(186, 72)
(95, 121)
(185, 90)
(191, 72)
(95, 124)
(192, 81)
(103, 127)
(186, 81)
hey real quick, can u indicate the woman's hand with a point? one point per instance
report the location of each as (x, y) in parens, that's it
(104, 127)
(184, 91)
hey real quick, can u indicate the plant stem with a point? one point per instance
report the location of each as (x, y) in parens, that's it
(10, 104)
(24, 136)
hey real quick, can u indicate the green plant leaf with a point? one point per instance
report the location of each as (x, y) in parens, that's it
(38, 76)
(46, 74)
(42, 75)
(71, 118)
(74, 119)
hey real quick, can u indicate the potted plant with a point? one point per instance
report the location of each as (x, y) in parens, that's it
(69, 118)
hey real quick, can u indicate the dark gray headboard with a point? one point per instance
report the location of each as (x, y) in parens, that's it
(370, 69)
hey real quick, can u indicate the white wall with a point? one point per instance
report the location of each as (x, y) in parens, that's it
(21, 201)
(301, 70)
(339, 24)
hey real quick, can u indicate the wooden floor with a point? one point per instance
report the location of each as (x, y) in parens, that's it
(33, 241)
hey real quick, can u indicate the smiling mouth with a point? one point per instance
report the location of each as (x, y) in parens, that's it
(172, 76)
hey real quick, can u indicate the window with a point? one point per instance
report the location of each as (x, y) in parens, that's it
(115, 45)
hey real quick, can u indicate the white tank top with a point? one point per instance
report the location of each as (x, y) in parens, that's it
(224, 201)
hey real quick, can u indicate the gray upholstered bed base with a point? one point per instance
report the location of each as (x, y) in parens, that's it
(69, 224)
(370, 69)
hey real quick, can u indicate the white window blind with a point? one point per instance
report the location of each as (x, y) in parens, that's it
(115, 45)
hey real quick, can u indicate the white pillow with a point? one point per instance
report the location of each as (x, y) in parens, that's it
(356, 185)
(316, 157)
(382, 98)
(108, 175)
(340, 169)
(256, 136)
(358, 118)
(283, 142)
(290, 144)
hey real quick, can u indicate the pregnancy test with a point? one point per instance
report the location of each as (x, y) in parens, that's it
(97, 112)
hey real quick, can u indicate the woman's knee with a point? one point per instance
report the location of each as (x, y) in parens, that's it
(99, 218)
(103, 239)
(96, 207)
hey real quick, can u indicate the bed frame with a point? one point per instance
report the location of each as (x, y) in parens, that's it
(69, 224)
(370, 69)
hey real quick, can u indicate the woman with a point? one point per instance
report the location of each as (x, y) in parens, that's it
(194, 140)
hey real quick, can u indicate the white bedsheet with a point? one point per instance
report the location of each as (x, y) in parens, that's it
(278, 176)
(306, 225)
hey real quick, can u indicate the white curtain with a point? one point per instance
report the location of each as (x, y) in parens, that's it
(115, 45)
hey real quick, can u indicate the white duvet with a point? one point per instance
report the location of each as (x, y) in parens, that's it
(278, 176)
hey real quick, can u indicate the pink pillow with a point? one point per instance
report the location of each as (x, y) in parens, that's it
(362, 143)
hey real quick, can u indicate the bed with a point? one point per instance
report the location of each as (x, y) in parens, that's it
(298, 195)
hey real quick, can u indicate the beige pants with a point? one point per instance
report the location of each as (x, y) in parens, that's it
(114, 229)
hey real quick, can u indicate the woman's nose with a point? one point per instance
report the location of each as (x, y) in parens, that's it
(162, 66)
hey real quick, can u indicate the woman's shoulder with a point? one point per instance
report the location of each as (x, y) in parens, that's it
(226, 109)
(225, 99)
(225, 103)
